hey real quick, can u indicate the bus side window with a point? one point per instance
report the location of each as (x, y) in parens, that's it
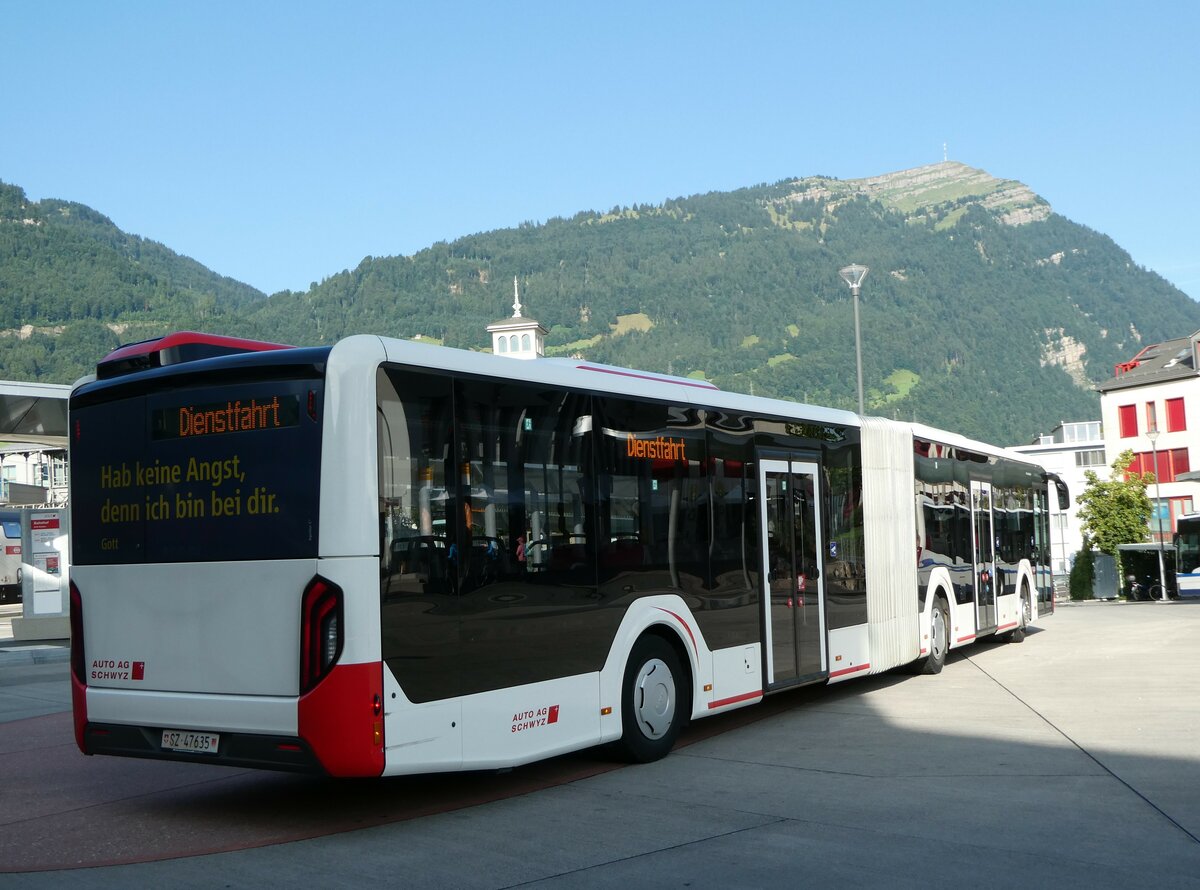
(414, 436)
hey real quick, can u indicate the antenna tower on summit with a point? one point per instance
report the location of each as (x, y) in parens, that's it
(945, 154)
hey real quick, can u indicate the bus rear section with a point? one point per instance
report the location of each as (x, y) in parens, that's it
(206, 625)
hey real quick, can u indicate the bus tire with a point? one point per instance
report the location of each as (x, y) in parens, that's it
(1018, 633)
(939, 637)
(652, 697)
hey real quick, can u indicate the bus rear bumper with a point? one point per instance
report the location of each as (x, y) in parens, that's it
(238, 749)
(251, 714)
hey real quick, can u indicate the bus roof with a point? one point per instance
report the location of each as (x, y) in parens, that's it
(182, 346)
(164, 356)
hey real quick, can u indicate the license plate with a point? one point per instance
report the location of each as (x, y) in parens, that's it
(195, 742)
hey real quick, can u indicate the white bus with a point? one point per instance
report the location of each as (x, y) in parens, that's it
(385, 557)
(10, 556)
(1187, 555)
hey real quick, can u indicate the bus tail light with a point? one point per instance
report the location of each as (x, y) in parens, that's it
(77, 665)
(320, 631)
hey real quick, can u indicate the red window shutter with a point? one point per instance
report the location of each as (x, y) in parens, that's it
(1146, 462)
(1164, 466)
(1135, 466)
(1176, 419)
(1179, 463)
(1127, 415)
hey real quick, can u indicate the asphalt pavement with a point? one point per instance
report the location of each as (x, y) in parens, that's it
(1069, 760)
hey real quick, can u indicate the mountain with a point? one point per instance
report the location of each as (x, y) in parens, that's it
(73, 286)
(984, 311)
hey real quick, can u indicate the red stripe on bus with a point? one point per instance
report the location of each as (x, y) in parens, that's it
(685, 627)
(733, 701)
(965, 639)
(1005, 627)
(851, 670)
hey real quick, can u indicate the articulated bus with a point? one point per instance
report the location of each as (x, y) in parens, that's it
(385, 557)
(1187, 554)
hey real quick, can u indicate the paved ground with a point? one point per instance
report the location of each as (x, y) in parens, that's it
(1070, 760)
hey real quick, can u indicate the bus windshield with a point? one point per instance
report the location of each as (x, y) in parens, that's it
(227, 471)
(1189, 543)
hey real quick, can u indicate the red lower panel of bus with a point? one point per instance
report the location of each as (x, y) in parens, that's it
(342, 720)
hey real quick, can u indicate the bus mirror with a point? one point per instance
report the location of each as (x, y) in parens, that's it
(1064, 494)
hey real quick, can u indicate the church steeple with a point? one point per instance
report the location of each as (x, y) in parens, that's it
(518, 337)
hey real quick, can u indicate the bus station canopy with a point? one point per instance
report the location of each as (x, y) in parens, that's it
(34, 412)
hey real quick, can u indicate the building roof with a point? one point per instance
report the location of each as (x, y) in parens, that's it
(10, 447)
(1157, 363)
(516, 324)
(34, 412)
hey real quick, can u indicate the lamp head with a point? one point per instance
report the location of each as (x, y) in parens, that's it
(853, 275)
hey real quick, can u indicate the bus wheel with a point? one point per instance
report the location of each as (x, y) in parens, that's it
(1018, 633)
(651, 714)
(939, 637)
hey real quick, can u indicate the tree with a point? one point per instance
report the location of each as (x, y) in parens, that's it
(1083, 572)
(1116, 511)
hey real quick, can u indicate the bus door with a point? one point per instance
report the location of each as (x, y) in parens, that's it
(984, 550)
(793, 600)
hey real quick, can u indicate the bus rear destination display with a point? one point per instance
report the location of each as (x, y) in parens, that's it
(229, 417)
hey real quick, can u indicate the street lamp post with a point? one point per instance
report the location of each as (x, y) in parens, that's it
(1152, 435)
(853, 276)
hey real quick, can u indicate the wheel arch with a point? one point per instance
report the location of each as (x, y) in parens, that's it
(671, 636)
(669, 618)
(939, 586)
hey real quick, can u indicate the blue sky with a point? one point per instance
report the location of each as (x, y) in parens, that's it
(281, 142)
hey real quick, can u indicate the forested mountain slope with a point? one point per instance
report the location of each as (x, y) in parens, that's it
(73, 285)
(983, 311)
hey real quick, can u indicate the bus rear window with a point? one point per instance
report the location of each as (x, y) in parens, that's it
(199, 474)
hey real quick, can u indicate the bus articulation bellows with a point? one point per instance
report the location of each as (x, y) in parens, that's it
(385, 557)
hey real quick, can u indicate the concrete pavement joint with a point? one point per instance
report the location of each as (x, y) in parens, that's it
(876, 776)
(770, 821)
(1085, 752)
(681, 846)
(783, 766)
